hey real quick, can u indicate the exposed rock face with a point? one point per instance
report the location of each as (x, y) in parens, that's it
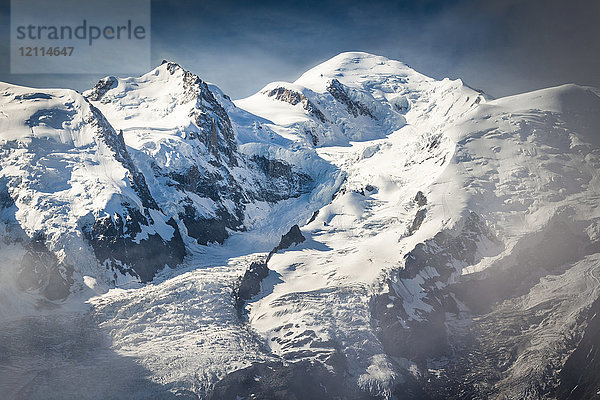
(115, 142)
(283, 181)
(198, 176)
(100, 89)
(364, 311)
(340, 93)
(293, 97)
(113, 237)
(421, 202)
(6, 200)
(248, 285)
(208, 114)
(280, 181)
(420, 199)
(74, 177)
(214, 186)
(293, 237)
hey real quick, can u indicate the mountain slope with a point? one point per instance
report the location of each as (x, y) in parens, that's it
(73, 198)
(492, 179)
(359, 96)
(183, 140)
(450, 240)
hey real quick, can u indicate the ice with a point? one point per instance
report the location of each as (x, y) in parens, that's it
(519, 163)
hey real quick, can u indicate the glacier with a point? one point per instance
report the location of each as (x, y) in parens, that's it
(450, 239)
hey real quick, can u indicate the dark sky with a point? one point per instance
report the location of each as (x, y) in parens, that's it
(502, 47)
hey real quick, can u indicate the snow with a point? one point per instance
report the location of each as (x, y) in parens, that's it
(61, 174)
(184, 329)
(517, 162)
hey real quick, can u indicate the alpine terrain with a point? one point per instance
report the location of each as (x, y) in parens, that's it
(365, 232)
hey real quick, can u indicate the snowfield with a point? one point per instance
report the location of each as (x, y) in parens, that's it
(451, 239)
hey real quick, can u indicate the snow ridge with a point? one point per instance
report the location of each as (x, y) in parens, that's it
(442, 228)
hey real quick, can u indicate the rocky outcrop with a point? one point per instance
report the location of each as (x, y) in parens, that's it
(211, 183)
(340, 93)
(116, 143)
(100, 89)
(209, 116)
(283, 180)
(421, 201)
(292, 238)
(220, 187)
(113, 237)
(292, 97)
(115, 243)
(248, 285)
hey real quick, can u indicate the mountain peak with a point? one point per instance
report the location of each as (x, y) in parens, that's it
(350, 66)
(171, 66)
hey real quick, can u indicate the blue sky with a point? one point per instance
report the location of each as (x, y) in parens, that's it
(502, 47)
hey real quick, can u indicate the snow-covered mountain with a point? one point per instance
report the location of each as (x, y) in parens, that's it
(186, 146)
(446, 243)
(75, 208)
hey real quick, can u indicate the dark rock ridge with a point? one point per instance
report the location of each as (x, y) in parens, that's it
(340, 93)
(112, 237)
(103, 86)
(292, 238)
(209, 116)
(276, 181)
(420, 199)
(6, 200)
(419, 218)
(115, 142)
(248, 285)
(283, 181)
(421, 202)
(216, 184)
(292, 97)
